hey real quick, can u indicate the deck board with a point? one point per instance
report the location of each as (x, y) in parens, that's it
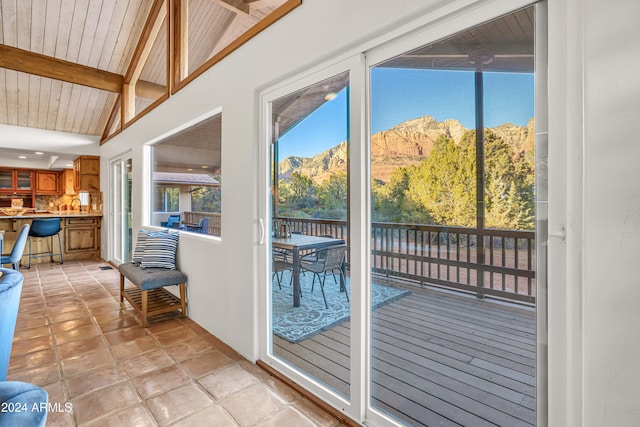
(439, 358)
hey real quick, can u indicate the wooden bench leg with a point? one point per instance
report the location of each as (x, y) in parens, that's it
(121, 288)
(144, 308)
(183, 299)
(160, 301)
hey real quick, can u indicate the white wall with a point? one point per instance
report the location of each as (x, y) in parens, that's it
(594, 344)
(612, 213)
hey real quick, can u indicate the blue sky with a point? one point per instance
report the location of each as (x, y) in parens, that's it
(399, 95)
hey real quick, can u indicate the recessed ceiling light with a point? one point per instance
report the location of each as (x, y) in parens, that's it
(39, 153)
(22, 157)
(205, 167)
(189, 169)
(330, 96)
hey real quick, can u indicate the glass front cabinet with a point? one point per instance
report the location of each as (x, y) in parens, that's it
(15, 181)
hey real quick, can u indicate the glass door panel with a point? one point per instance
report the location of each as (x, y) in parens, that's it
(310, 307)
(121, 181)
(127, 239)
(23, 180)
(6, 179)
(453, 230)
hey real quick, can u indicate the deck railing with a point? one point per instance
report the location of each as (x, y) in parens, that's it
(500, 263)
(214, 221)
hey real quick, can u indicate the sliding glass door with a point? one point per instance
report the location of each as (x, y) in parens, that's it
(453, 228)
(421, 157)
(120, 217)
(308, 229)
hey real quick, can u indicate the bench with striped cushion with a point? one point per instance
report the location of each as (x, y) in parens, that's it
(148, 296)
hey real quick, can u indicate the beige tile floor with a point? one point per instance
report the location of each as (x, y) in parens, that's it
(101, 368)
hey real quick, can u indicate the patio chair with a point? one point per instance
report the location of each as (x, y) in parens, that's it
(18, 249)
(200, 227)
(327, 260)
(173, 219)
(314, 256)
(278, 268)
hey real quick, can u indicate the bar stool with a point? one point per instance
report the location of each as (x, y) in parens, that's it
(45, 228)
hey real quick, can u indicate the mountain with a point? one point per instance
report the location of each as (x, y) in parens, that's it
(318, 167)
(404, 144)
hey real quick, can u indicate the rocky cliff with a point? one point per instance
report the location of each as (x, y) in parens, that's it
(405, 144)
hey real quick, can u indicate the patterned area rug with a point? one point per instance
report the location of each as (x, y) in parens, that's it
(296, 324)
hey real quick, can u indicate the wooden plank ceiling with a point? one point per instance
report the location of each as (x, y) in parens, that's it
(63, 62)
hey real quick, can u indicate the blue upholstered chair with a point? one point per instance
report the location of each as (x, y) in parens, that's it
(173, 219)
(10, 290)
(25, 404)
(18, 249)
(29, 402)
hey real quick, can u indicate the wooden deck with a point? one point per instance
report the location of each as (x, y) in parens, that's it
(439, 358)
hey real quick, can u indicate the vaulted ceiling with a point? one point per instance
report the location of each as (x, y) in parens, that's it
(64, 64)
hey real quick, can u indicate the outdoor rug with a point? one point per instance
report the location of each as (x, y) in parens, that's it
(296, 324)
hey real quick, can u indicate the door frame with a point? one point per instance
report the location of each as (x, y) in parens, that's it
(116, 244)
(353, 65)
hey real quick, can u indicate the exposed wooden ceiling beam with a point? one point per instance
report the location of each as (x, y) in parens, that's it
(153, 25)
(149, 90)
(236, 6)
(180, 20)
(54, 68)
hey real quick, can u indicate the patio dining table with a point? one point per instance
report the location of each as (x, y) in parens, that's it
(299, 242)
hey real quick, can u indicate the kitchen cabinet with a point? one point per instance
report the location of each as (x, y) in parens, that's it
(16, 181)
(82, 236)
(67, 182)
(86, 172)
(47, 182)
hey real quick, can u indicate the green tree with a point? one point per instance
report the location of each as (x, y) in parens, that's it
(444, 183)
(207, 199)
(296, 196)
(392, 203)
(508, 186)
(332, 197)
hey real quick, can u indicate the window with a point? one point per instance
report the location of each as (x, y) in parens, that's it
(166, 199)
(187, 178)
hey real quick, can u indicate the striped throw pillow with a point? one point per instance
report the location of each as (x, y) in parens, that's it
(160, 251)
(140, 243)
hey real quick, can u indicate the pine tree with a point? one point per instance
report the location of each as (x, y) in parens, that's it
(444, 183)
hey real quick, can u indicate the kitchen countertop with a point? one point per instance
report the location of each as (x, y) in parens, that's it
(52, 214)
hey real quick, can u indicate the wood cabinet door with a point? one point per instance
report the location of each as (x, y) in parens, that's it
(86, 171)
(47, 182)
(68, 182)
(89, 183)
(81, 239)
(90, 166)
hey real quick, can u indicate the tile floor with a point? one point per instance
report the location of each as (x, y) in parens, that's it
(101, 368)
